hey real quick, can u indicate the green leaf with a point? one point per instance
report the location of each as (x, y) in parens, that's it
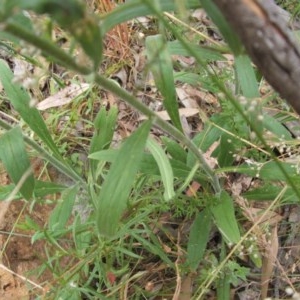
(174, 149)
(225, 150)
(116, 188)
(271, 124)
(245, 76)
(63, 209)
(187, 77)
(269, 192)
(136, 8)
(160, 64)
(104, 128)
(199, 235)
(165, 168)
(225, 220)
(267, 171)
(15, 159)
(20, 99)
(176, 48)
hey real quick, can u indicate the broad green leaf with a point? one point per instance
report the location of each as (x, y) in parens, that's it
(20, 99)
(63, 209)
(136, 8)
(229, 35)
(225, 150)
(176, 48)
(15, 159)
(245, 76)
(225, 220)
(199, 235)
(116, 188)
(164, 166)
(160, 64)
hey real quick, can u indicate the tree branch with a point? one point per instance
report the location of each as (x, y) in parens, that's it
(269, 42)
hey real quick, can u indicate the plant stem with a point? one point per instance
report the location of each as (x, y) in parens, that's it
(47, 47)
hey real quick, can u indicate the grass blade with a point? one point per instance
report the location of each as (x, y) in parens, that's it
(160, 64)
(136, 8)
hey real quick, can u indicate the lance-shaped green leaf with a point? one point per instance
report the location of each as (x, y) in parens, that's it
(116, 188)
(199, 235)
(104, 127)
(165, 168)
(225, 220)
(15, 159)
(245, 76)
(160, 64)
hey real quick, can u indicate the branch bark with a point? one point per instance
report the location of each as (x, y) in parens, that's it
(269, 42)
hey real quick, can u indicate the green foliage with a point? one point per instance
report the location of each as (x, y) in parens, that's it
(111, 202)
(161, 67)
(132, 190)
(15, 159)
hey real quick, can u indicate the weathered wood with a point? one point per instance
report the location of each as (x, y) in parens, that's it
(269, 42)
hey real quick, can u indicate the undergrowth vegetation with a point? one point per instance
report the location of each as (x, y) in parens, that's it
(168, 163)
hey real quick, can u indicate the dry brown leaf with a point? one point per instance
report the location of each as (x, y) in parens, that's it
(186, 288)
(64, 96)
(185, 98)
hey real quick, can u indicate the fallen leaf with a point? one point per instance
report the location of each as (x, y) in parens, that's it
(63, 97)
